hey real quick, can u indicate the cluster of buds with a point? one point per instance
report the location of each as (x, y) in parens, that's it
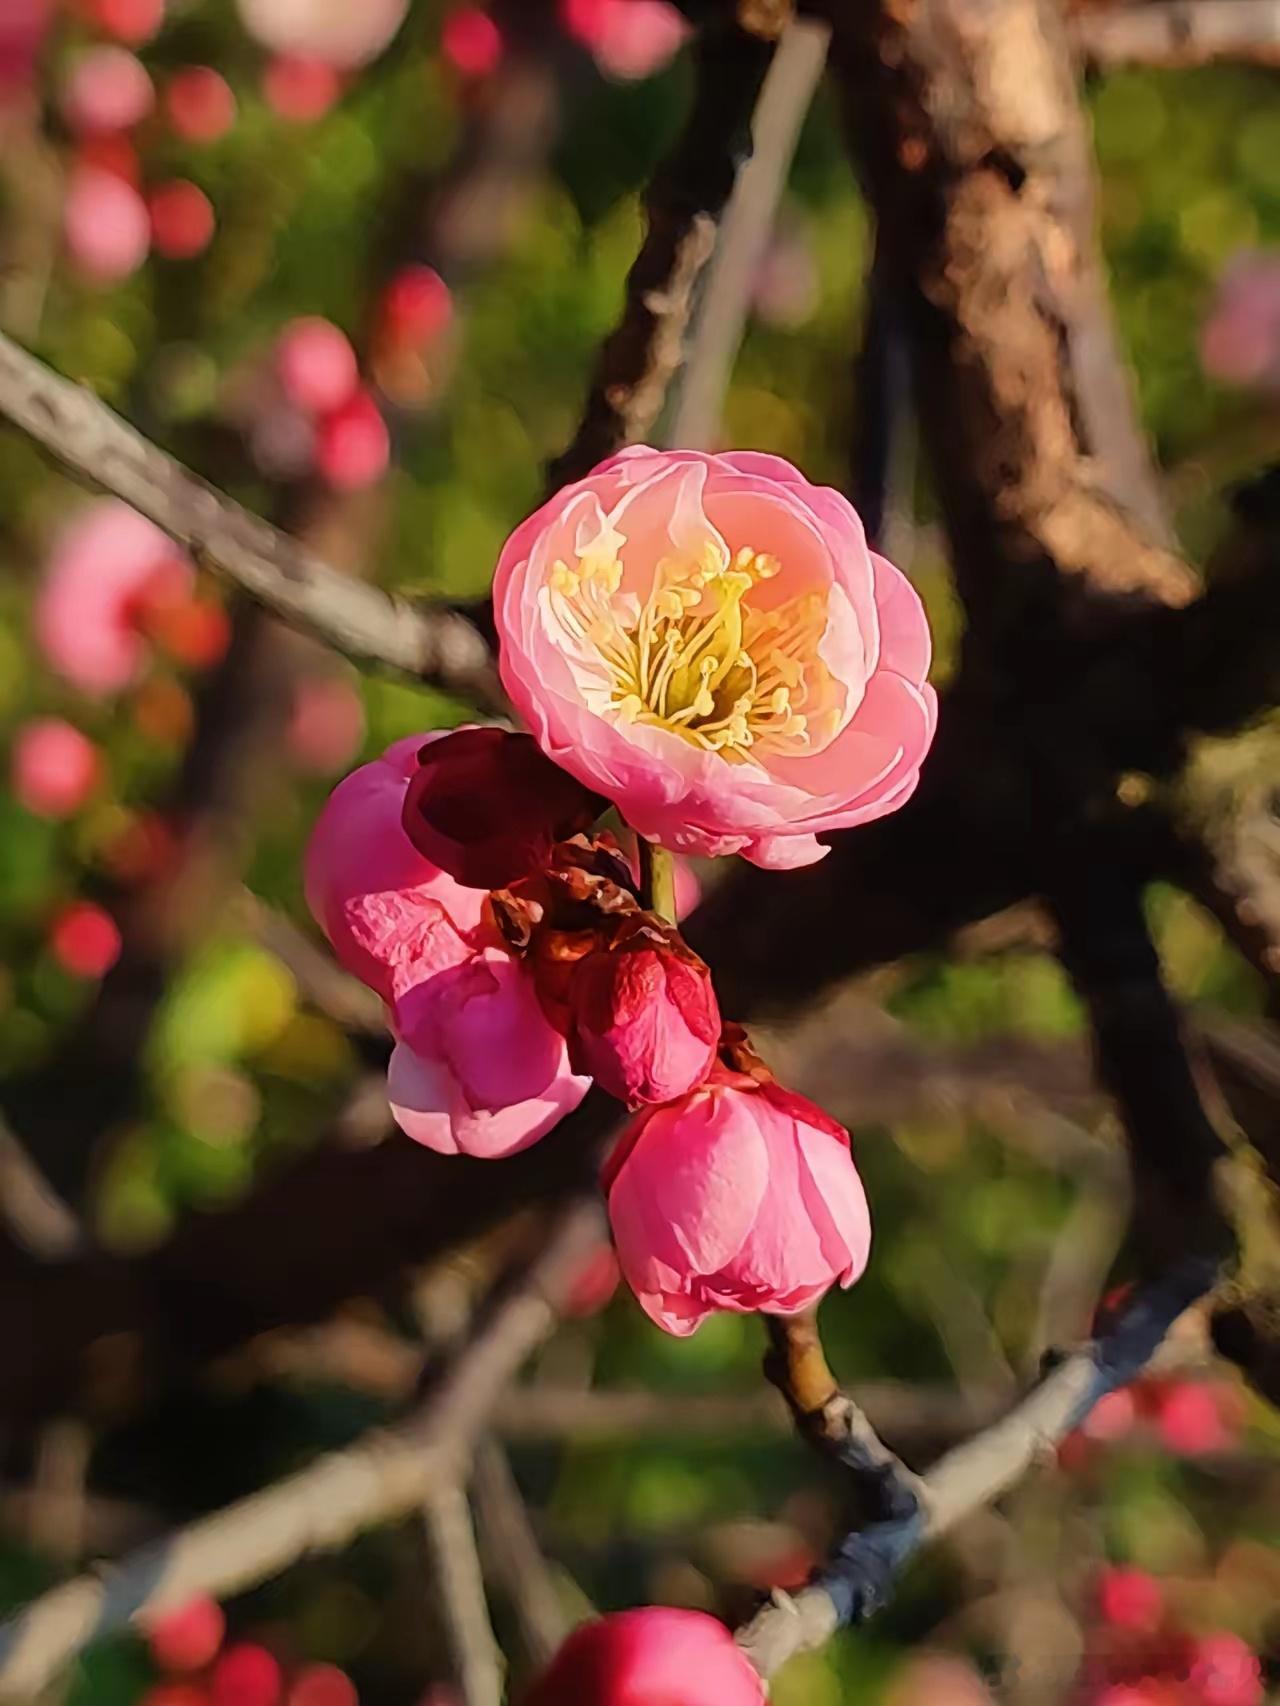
(462, 877)
(707, 644)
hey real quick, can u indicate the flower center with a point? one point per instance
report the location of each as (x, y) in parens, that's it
(695, 657)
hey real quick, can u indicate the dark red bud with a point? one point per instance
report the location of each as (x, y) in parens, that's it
(487, 806)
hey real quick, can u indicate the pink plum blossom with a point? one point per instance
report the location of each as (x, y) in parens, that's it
(23, 26)
(54, 767)
(708, 641)
(132, 21)
(85, 940)
(108, 90)
(182, 219)
(740, 1196)
(99, 576)
(189, 1638)
(339, 32)
(246, 1675)
(654, 1656)
(471, 42)
(299, 88)
(1225, 1672)
(105, 225)
(478, 1068)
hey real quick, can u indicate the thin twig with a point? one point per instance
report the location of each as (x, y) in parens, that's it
(780, 112)
(1179, 32)
(513, 1556)
(386, 1473)
(684, 204)
(860, 1576)
(475, 1657)
(438, 646)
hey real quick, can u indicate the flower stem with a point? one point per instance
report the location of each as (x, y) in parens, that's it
(657, 879)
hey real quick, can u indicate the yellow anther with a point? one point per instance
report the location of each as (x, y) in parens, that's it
(563, 578)
(767, 565)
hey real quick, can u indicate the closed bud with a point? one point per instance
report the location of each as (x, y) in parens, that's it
(643, 1016)
(650, 1657)
(487, 807)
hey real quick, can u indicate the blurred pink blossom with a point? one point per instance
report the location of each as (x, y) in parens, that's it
(1240, 338)
(471, 42)
(322, 1685)
(1130, 1599)
(786, 286)
(85, 940)
(246, 1675)
(132, 21)
(53, 767)
(353, 446)
(189, 1638)
(416, 306)
(23, 27)
(326, 725)
(99, 574)
(108, 89)
(629, 39)
(342, 33)
(299, 88)
(105, 225)
(1225, 1672)
(200, 104)
(182, 219)
(316, 364)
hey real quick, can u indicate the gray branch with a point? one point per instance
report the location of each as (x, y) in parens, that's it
(438, 646)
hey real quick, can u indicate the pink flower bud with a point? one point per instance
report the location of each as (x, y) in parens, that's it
(739, 1196)
(487, 807)
(644, 1014)
(649, 1657)
(189, 1638)
(108, 90)
(85, 940)
(105, 225)
(182, 219)
(200, 104)
(316, 365)
(54, 768)
(353, 445)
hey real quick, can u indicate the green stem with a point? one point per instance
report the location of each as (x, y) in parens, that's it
(657, 879)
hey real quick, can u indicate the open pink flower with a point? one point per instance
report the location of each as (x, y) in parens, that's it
(740, 1196)
(478, 1068)
(654, 1656)
(708, 642)
(101, 573)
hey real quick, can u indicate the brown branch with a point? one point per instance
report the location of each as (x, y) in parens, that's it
(88, 438)
(513, 1557)
(385, 1474)
(683, 207)
(1173, 33)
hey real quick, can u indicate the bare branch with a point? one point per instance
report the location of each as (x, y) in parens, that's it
(860, 1576)
(780, 112)
(684, 204)
(475, 1657)
(440, 647)
(513, 1556)
(1179, 32)
(385, 1474)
